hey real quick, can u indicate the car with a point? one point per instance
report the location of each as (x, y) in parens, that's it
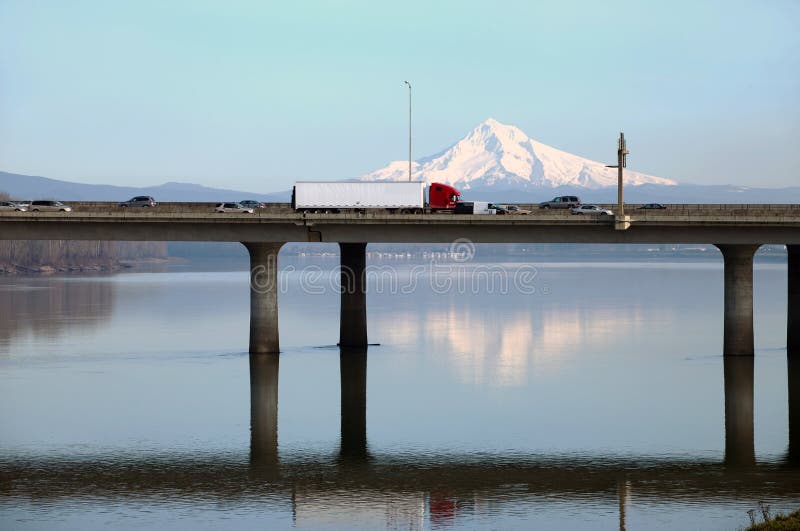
(592, 209)
(514, 209)
(652, 206)
(49, 206)
(249, 203)
(139, 201)
(235, 208)
(562, 201)
(498, 209)
(10, 205)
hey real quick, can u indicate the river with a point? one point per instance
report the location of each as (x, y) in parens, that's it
(558, 395)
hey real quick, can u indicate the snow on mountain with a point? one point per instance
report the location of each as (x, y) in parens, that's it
(495, 155)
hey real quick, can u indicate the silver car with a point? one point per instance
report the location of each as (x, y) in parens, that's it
(235, 208)
(49, 206)
(593, 210)
(139, 201)
(8, 206)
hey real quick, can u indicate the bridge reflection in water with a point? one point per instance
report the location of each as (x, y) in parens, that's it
(423, 490)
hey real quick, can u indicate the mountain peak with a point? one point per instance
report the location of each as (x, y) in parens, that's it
(496, 155)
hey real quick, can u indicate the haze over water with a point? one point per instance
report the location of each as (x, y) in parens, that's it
(595, 402)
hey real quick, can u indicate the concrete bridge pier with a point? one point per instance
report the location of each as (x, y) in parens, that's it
(793, 351)
(739, 444)
(263, 296)
(353, 315)
(793, 300)
(264, 411)
(353, 371)
(738, 339)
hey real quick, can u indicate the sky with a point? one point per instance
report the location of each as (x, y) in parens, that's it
(255, 95)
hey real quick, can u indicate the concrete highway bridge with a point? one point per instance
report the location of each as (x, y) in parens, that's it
(737, 230)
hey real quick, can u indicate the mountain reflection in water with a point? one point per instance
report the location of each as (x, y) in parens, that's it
(476, 411)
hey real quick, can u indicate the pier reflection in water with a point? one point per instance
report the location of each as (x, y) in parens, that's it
(412, 491)
(484, 410)
(438, 490)
(793, 370)
(739, 441)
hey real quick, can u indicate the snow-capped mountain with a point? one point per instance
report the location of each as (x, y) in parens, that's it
(499, 156)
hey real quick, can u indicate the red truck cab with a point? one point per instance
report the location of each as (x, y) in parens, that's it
(442, 196)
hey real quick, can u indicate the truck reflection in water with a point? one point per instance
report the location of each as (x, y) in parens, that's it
(411, 490)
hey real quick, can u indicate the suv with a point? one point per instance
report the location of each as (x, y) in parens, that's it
(139, 201)
(49, 206)
(562, 201)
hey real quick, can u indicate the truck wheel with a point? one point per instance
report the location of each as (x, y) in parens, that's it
(546, 207)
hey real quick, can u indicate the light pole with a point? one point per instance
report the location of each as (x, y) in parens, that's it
(622, 161)
(409, 129)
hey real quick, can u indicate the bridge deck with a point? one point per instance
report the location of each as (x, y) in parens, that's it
(279, 222)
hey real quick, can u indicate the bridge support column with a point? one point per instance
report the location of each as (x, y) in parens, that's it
(793, 350)
(739, 445)
(793, 302)
(263, 296)
(353, 315)
(738, 339)
(353, 372)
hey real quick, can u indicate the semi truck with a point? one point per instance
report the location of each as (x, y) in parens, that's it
(404, 197)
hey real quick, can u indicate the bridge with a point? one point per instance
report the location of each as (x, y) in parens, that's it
(737, 230)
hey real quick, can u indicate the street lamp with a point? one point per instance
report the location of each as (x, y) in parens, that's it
(409, 129)
(622, 162)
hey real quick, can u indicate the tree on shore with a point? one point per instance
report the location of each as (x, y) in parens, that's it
(34, 254)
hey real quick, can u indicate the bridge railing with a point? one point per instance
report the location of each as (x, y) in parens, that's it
(633, 209)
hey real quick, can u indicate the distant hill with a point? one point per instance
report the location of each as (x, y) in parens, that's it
(493, 162)
(34, 187)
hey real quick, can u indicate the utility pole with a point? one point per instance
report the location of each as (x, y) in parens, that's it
(409, 129)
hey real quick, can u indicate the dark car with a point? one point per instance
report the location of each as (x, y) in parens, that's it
(249, 203)
(562, 201)
(139, 201)
(652, 206)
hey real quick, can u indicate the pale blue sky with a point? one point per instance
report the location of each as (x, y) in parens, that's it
(255, 95)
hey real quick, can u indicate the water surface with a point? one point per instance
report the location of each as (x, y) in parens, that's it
(593, 402)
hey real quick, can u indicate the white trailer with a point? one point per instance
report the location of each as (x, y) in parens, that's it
(340, 195)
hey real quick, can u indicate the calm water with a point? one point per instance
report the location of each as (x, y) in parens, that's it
(595, 402)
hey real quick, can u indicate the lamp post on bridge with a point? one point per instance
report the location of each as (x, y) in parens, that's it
(409, 129)
(621, 221)
(622, 162)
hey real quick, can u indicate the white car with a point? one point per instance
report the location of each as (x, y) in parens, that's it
(235, 208)
(49, 206)
(592, 209)
(8, 205)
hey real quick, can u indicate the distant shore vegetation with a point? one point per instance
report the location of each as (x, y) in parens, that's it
(51, 256)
